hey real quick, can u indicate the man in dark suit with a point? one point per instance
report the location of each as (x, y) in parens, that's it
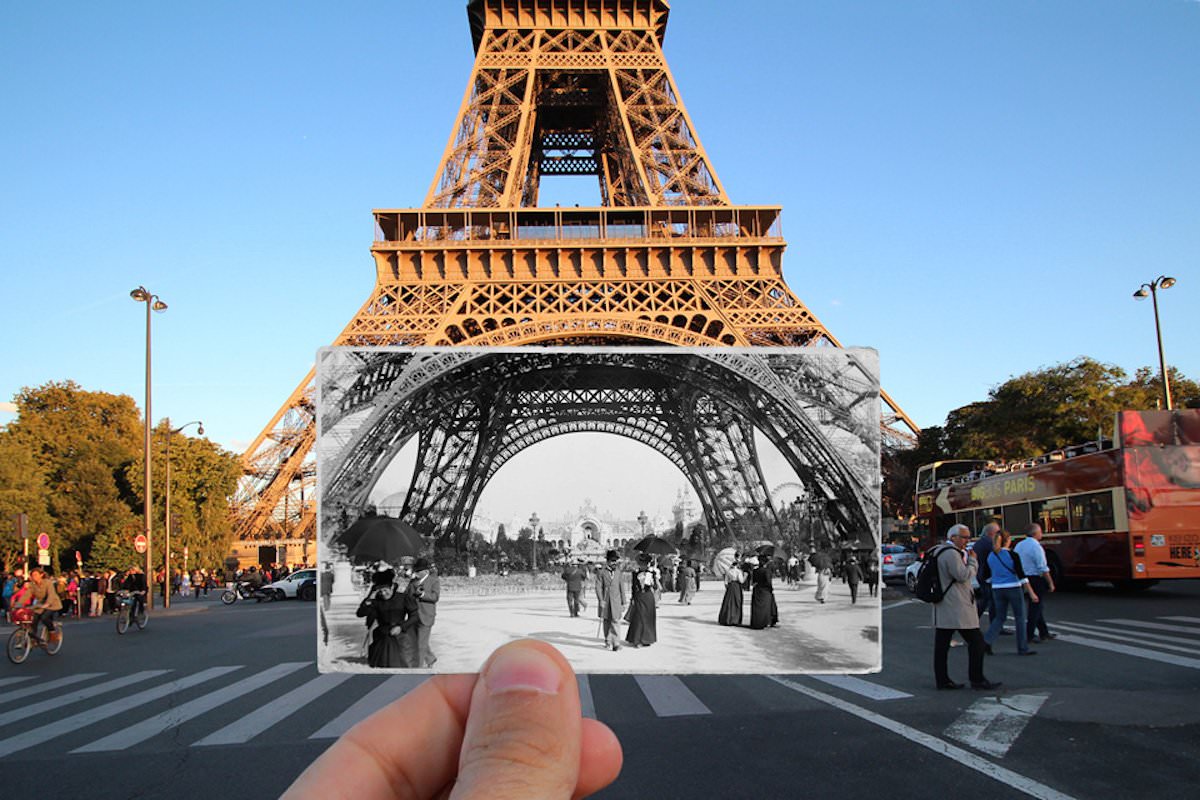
(426, 589)
(574, 576)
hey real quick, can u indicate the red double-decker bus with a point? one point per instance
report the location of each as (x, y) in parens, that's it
(1125, 510)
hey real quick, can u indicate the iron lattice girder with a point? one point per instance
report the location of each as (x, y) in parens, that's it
(706, 408)
(645, 150)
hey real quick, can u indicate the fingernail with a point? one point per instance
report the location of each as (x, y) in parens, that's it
(522, 669)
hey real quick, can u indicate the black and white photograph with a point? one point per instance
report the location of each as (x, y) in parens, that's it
(644, 510)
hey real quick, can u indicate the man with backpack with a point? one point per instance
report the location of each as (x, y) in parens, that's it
(954, 607)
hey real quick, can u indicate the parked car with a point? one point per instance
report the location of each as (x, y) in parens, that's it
(308, 589)
(290, 586)
(894, 559)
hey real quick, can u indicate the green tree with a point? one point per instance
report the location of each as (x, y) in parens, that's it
(113, 548)
(22, 490)
(79, 443)
(1145, 390)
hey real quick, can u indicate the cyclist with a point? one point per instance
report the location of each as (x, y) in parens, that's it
(135, 583)
(44, 602)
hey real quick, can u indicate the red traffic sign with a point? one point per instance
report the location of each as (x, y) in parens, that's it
(139, 543)
(43, 541)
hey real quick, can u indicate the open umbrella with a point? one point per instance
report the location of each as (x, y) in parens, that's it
(654, 546)
(769, 551)
(722, 561)
(382, 539)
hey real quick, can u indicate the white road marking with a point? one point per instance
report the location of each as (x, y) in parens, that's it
(274, 712)
(33, 709)
(669, 696)
(587, 703)
(1193, 620)
(994, 723)
(1154, 626)
(393, 688)
(1152, 655)
(961, 757)
(36, 736)
(1133, 637)
(29, 691)
(865, 688)
(8, 681)
(899, 603)
(177, 715)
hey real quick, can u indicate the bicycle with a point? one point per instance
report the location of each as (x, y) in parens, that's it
(22, 640)
(125, 613)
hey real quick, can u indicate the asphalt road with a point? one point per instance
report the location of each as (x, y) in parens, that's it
(212, 700)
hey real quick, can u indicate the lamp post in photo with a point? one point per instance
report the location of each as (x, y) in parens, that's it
(642, 521)
(533, 537)
(153, 303)
(167, 519)
(1151, 288)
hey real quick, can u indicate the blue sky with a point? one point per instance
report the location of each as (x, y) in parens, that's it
(975, 189)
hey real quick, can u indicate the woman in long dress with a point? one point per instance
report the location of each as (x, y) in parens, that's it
(763, 611)
(386, 609)
(643, 617)
(731, 604)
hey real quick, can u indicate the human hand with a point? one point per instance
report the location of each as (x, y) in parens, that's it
(510, 733)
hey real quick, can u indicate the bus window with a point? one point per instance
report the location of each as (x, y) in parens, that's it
(1017, 518)
(1092, 512)
(1051, 515)
(925, 479)
(985, 515)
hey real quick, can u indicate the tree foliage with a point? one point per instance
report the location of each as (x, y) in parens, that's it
(72, 460)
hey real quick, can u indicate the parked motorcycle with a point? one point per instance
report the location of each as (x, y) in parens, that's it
(246, 591)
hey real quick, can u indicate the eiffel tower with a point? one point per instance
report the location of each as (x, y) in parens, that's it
(559, 87)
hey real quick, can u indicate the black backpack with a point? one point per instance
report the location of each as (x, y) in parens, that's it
(929, 581)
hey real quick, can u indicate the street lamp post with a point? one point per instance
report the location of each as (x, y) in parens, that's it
(153, 303)
(167, 519)
(642, 521)
(533, 527)
(1161, 282)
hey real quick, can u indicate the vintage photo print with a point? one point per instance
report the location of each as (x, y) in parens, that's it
(644, 510)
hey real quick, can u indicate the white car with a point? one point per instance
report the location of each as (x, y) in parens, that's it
(291, 585)
(910, 576)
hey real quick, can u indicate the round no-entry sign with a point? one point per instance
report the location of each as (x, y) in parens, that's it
(139, 543)
(43, 541)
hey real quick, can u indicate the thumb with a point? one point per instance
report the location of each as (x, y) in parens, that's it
(522, 737)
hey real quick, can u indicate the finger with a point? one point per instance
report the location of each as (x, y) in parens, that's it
(407, 749)
(523, 734)
(600, 758)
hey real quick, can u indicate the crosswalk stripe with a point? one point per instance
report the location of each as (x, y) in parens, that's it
(992, 724)
(394, 687)
(32, 738)
(49, 686)
(587, 703)
(865, 688)
(965, 758)
(1133, 637)
(33, 709)
(1154, 626)
(135, 734)
(1194, 620)
(274, 712)
(1152, 655)
(669, 696)
(10, 681)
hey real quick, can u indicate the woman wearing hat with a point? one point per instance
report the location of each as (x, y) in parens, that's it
(643, 618)
(387, 610)
(731, 604)
(763, 610)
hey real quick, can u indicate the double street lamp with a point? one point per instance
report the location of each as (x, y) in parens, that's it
(153, 303)
(167, 536)
(1151, 289)
(533, 537)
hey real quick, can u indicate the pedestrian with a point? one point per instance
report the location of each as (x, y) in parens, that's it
(610, 600)
(574, 577)
(1009, 587)
(687, 582)
(822, 564)
(427, 590)
(731, 604)
(643, 622)
(1037, 569)
(99, 590)
(386, 613)
(110, 592)
(11, 585)
(763, 610)
(983, 548)
(853, 578)
(956, 610)
(872, 575)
